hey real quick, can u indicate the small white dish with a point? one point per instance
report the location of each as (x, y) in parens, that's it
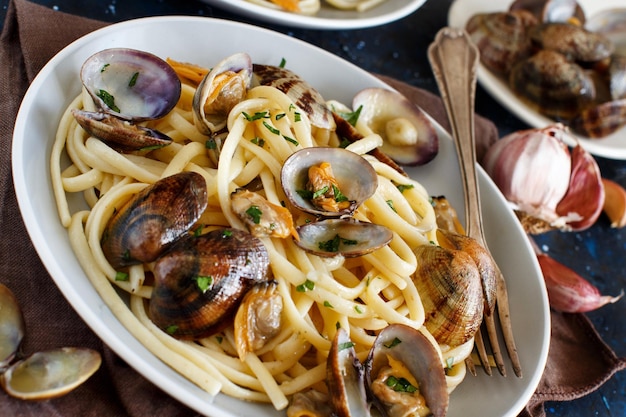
(328, 17)
(181, 38)
(612, 146)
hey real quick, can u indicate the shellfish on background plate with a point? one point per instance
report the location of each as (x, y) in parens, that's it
(611, 145)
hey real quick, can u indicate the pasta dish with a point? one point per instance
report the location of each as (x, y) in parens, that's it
(242, 156)
(311, 7)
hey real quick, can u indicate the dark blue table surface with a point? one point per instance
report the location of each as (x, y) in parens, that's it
(398, 50)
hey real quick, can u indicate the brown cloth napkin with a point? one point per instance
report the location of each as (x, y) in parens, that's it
(32, 35)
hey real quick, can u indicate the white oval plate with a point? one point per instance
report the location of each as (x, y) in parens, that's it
(612, 146)
(328, 17)
(181, 38)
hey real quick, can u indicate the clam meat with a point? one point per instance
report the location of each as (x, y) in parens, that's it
(262, 217)
(258, 318)
(12, 326)
(404, 373)
(201, 281)
(50, 373)
(130, 85)
(225, 85)
(409, 137)
(154, 219)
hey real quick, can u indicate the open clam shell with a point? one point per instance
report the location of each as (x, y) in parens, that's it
(355, 177)
(415, 353)
(131, 84)
(225, 85)
(345, 377)
(50, 373)
(409, 138)
(11, 326)
(347, 237)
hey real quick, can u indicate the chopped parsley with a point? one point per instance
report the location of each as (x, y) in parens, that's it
(256, 116)
(204, 282)
(104, 67)
(108, 100)
(328, 304)
(339, 197)
(358, 309)
(308, 285)
(133, 79)
(271, 128)
(121, 276)
(283, 62)
(210, 144)
(352, 117)
(332, 245)
(404, 187)
(280, 116)
(395, 342)
(171, 329)
(345, 345)
(390, 204)
(255, 213)
(291, 140)
(227, 233)
(320, 192)
(258, 141)
(400, 385)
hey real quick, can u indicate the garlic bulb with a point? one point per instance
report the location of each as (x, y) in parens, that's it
(546, 185)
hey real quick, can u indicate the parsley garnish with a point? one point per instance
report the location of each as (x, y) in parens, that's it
(328, 304)
(204, 282)
(133, 79)
(308, 285)
(258, 141)
(339, 197)
(121, 276)
(403, 187)
(320, 192)
(358, 309)
(210, 144)
(108, 100)
(271, 128)
(390, 204)
(256, 116)
(393, 343)
(400, 384)
(332, 245)
(255, 213)
(104, 67)
(280, 116)
(352, 117)
(227, 233)
(292, 140)
(283, 62)
(345, 345)
(171, 329)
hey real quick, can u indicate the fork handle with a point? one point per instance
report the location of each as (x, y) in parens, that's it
(454, 59)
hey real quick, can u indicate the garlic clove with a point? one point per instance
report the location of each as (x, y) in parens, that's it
(569, 292)
(614, 203)
(532, 169)
(585, 196)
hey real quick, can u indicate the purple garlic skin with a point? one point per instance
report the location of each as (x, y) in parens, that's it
(542, 179)
(568, 291)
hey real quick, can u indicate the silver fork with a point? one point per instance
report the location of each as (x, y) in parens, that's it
(454, 58)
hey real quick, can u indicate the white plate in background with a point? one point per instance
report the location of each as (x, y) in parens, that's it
(612, 146)
(328, 17)
(181, 38)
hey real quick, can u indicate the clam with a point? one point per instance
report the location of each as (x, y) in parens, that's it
(551, 10)
(552, 84)
(200, 282)
(258, 318)
(405, 374)
(120, 134)
(347, 237)
(611, 23)
(323, 181)
(50, 373)
(262, 217)
(409, 138)
(155, 218)
(300, 91)
(450, 288)
(11, 326)
(501, 37)
(225, 85)
(130, 85)
(345, 378)
(573, 41)
(481, 257)
(601, 120)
